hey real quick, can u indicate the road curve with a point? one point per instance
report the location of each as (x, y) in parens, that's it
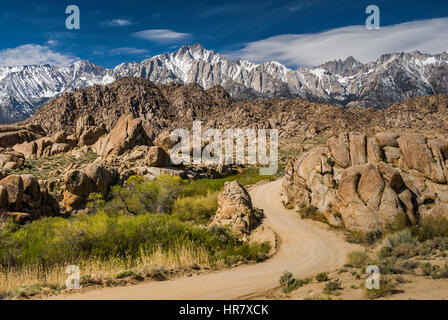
(305, 249)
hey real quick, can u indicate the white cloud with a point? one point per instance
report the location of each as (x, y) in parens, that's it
(161, 35)
(30, 54)
(118, 23)
(128, 50)
(429, 36)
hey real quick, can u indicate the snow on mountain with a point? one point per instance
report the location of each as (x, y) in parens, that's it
(350, 83)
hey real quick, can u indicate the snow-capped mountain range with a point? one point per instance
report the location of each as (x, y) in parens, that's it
(350, 83)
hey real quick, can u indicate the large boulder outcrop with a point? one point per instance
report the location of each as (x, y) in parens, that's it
(87, 132)
(127, 133)
(371, 183)
(79, 184)
(46, 146)
(23, 198)
(235, 210)
(11, 135)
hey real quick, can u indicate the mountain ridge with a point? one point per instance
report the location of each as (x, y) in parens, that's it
(349, 83)
(165, 107)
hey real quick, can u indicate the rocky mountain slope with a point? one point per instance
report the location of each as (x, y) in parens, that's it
(164, 107)
(349, 83)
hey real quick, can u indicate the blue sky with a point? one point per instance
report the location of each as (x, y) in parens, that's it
(297, 33)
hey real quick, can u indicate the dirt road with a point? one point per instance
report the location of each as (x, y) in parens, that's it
(305, 249)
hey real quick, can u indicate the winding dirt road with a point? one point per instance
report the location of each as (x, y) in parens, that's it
(305, 249)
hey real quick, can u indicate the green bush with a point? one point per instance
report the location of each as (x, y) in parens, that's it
(142, 197)
(247, 252)
(205, 186)
(57, 241)
(312, 213)
(198, 209)
(357, 258)
(401, 237)
(288, 283)
(332, 286)
(322, 276)
(387, 287)
(431, 228)
(366, 238)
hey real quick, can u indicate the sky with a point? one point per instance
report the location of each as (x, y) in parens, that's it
(297, 33)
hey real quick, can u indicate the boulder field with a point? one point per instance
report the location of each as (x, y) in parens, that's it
(371, 183)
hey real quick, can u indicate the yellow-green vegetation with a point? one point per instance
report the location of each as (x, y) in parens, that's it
(198, 209)
(365, 238)
(357, 259)
(322, 276)
(331, 287)
(387, 287)
(312, 213)
(289, 283)
(139, 225)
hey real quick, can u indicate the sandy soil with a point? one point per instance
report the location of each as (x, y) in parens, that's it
(305, 248)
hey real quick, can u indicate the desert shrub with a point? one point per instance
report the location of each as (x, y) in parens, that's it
(246, 252)
(332, 286)
(431, 228)
(357, 258)
(288, 283)
(322, 276)
(398, 238)
(426, 268)
(435, 271)
(390, 265)
(440, 272)
(366, 238)
(410, 265)
(387, 287)
(312, 213)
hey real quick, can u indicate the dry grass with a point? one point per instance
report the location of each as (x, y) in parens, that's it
(176, 259)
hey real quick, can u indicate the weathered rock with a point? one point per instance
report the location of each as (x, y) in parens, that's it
(376, 195)
(12, 135)
(235, 210)
(339, 148)
(14, 186)
(78, 183)
(157, 157)
(374, 153)
(10, 160)
(71, 201)
(60, 137)
(101, 177)
(91, 135)
(358, 148)
(127, 133)
(391, 154)
(387, 139)
(417, 155)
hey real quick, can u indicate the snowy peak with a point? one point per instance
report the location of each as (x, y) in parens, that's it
(391, 78)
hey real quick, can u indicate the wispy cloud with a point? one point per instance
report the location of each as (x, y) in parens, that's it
(429, 36)
(122, 51)
(117, 23)
(30, 54)
(161, 35)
